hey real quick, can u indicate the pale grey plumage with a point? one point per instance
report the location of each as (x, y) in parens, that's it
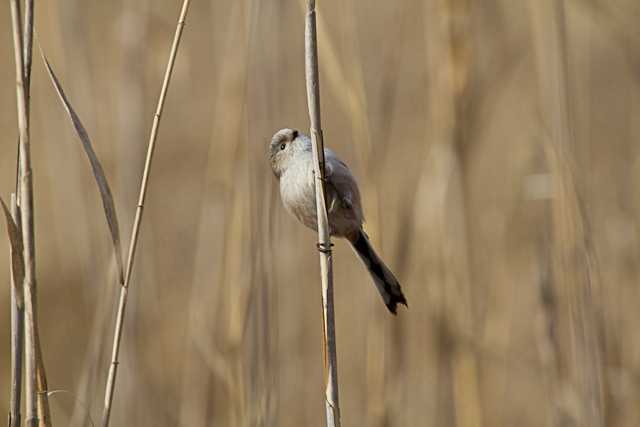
(291, 158)
(294, 168)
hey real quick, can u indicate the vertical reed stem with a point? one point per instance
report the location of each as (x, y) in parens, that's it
(124, 288)
(324, 239)
(26, 212)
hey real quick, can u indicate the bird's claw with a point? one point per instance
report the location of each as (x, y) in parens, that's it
(324, 247)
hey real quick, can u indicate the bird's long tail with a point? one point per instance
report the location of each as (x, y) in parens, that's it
(383, 278)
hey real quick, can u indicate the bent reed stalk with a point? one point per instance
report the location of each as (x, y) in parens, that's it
(332, 404)
(113, 368)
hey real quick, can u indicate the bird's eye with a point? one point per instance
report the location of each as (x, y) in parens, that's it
(283, 146)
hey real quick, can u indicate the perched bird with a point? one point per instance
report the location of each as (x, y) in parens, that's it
(291, 157)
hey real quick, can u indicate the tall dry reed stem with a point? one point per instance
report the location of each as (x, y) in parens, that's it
(324, 239)
(113, 369)
(36, 401)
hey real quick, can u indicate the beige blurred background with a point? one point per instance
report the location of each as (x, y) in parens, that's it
(496, 144)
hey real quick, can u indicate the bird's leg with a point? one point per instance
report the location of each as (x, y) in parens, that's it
(324, 248)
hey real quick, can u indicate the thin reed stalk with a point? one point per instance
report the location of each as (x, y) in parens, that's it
(17, 297)
(332, 404)
(124, 289)
(36, 401)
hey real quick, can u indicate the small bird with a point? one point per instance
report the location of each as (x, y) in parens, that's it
(291, 157)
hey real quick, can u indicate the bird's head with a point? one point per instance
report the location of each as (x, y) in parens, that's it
(283, 147)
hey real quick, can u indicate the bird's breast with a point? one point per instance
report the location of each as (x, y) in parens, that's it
(298, 193)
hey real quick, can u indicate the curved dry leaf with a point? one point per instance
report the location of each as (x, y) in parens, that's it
(17, 256)
(98, 172)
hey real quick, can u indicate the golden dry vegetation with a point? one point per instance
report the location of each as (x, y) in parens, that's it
(497, 146)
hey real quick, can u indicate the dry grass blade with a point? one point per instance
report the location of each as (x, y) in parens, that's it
(96, 167)
(17, 259)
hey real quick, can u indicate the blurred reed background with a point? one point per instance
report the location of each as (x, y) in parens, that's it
(497, 148)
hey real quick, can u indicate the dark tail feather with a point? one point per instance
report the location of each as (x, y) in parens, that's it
(383, 278)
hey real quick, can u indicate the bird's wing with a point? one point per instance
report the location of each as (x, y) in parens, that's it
(342, 189)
